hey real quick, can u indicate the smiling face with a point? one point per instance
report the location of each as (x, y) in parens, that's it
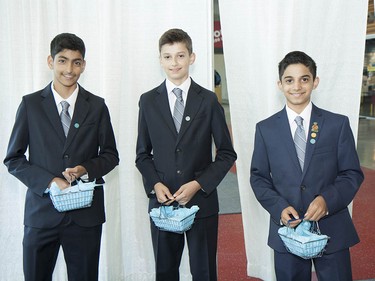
(175, 60)
(67, 67)
(297, 84)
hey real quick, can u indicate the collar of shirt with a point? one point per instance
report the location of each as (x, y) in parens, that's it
(71, 100)
(305, 114)
(172, 97)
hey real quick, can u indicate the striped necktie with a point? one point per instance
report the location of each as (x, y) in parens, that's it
(300, 140)
(65, 117)
(178, 110)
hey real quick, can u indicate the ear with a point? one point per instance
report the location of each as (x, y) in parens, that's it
(192, 58)
(316, 82)
(280, 85)
(83, 66)
(50, 62)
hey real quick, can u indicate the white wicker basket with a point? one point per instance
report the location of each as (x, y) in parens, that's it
(309, 243)
(72, 200)
(74, 197)
(172, 219)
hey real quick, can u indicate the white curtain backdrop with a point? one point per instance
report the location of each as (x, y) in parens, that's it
(332, 33)
(121, 38)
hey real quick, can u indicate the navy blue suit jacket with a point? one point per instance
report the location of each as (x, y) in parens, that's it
(331, 170)
(175, 159)
(90, 143)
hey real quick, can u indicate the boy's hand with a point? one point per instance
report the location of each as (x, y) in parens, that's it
(163, 194)
(184, 194)
(289, 217)
(61, 183)
(71, 174)
(317, 209)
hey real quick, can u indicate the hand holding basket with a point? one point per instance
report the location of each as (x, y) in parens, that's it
(305, 240)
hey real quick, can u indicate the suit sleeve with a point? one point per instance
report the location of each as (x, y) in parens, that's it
(107, 158)
(261, 179)
(144, 159)
(225, 154)
(349, 174)
(34, 177)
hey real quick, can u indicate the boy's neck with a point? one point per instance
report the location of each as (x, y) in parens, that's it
(65, 92)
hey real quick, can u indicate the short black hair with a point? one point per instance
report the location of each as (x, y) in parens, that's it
(296, 57)
(67, 41)
(176, 35)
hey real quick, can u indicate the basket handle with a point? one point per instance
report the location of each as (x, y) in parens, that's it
(315, 227)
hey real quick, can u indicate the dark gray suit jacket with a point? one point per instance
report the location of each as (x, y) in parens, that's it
(331, 169)
(175, 159)
(90, 143)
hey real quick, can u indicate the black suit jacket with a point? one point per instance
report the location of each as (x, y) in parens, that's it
(90, 143)
(175, 159)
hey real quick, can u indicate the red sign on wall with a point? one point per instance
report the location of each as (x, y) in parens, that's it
(218, 39)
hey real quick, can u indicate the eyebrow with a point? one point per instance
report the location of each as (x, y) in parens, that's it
(178, 53)
(303, 76)
(63, 57)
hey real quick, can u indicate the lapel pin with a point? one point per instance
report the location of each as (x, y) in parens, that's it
(187, 118)
(76, 125)
(314, 132)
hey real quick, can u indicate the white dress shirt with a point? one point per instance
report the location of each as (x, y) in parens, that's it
(172, 97)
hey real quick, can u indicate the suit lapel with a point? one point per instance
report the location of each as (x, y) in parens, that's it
(286, 136)
(49, 107)
(192, 107)
(162, 102)
(81, 110)
(316, 116)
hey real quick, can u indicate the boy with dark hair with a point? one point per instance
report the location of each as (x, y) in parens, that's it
(312, 176)
(67, 41)
(68, 134)
(177, 122)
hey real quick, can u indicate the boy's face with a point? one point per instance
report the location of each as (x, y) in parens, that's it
(297, 85)
(67, 67)
(175, 60)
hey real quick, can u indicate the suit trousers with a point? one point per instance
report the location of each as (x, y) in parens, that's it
(81, 247)
(332, 267)
(202, 245)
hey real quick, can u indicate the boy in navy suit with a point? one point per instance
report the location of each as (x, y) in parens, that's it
(80, 145)
(174, 156)
(314, 180)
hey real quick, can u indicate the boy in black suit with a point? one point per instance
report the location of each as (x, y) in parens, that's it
(177, 122)
(61, 149)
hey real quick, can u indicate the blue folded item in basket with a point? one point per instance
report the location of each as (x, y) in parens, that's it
(302, 241)
(74, 197)
(174, 219)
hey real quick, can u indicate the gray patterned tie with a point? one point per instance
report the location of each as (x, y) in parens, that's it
(178, 110)
(300, 140)
(65, 117)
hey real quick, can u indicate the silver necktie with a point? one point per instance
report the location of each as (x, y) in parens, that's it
(178, 110)
(300, 140)
(65, 117)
